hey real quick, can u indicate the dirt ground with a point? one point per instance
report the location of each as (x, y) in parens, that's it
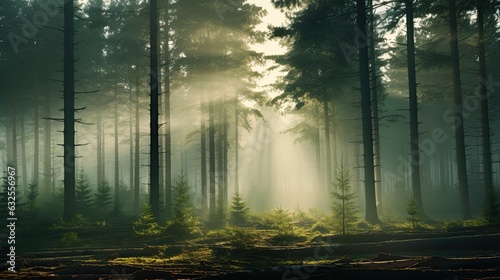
(465, 255)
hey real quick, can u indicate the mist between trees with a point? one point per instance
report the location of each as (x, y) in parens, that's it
(155, 88)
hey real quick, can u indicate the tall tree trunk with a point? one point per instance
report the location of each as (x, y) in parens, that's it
(137, 146)
(13, 127)
(412, 84)
(374, 93)
(69, 112)
(317, 145)
(485, 118)
(211, 141)
(130, 137)
(459, 121)
(24, 169)
(47, 141)
(116, 209)
(99, 146)
(370, 200)
(168, 135)
(220, 160)
(36, 144)
(236, 147)
(154, 195)
(204, 202)
(328, 147)
(224, 144)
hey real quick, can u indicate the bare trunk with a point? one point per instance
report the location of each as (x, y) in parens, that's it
(117, 162)
(154, 194)
(370, 200)
(374, 93)
(485, 118)
(328, 147)
(211, 140)
(204, 202)
(47, 155)
(168, 135)
(412, 83)
(69, 112)
(236, 148)
(463, 185)
(137, 147)
(36, 152)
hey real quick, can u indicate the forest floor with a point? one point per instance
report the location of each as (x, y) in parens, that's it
(112, 252)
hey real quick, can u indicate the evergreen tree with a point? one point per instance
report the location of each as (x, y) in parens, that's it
(183, 221)
(344, 208)
(32, 194)
(83, 193)
(239, 210)
(146, 225)
(491, 207)
(102, 199)
(414, 212)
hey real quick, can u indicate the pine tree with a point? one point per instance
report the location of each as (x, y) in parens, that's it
(102, 199)
(32, 199)
(83, 193)
(239, 210)
(344, 208)
(146, 225)
(491, 208)
(414, 212)
(183, 221)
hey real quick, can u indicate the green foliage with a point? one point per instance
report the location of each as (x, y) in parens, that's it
(239, 210)
(77, 222)
(83, 193)
(102, 199)
(414, 212)
(321, 227)
(146, 225)
(32, 194)
(491, 208)
(184, 222)
(344, 208)
(389, 215)
(281, 221)
(241, 237)
(70, 239)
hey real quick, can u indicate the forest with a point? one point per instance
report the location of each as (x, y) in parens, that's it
(250, 139)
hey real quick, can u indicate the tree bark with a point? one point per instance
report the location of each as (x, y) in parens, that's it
(47, 141)
(168, 135)
(137, 145)
(69, 112)
(154, 194)
(412, 84)
(459, 121)
(374, 93)
(328, 147)
(24, 171)
(236, 147)
(117, 162)
(36, 144)
(211, 140)
(204, 202)
(485, 118)
(225, 150)
(317, 145)
(370, 200)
